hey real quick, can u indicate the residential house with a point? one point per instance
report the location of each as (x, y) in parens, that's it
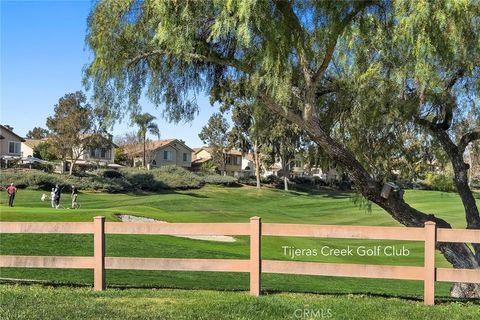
(29, 145)
(10, 145)
(101, 153)
(161, 153)
(298, 168)
(248, 165)
(275, 170)
(233, 165)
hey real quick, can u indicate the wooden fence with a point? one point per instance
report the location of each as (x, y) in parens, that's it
(255, 265)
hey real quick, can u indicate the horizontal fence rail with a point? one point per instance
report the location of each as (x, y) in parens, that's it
(428, 273)
(46, 227)
(343, 270)
(343, 232)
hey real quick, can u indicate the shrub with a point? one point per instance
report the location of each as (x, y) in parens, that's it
(440, 182)
(108, 173)
(251, 181)
(46, 181)
(220, 180)
(175, 177)
(318, 181)
(208, 167)
(302, 180)
(124, 180)
(167, 177)
(272, 179)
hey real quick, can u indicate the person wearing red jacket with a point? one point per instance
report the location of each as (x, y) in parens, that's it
(11, 190)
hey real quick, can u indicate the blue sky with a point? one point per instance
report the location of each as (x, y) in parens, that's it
(42, 56)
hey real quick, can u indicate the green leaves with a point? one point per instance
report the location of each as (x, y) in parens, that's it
(145, 123)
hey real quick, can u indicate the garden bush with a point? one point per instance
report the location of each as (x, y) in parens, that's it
(36, 179)
(166, 177)
(220, 180)
(272, 179)
(302, 180)
(440, 182)
(124, 180)
(251, 180)
(109, 173)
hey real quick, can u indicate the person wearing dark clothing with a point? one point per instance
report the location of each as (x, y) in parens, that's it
(11, 190)
(58, 193)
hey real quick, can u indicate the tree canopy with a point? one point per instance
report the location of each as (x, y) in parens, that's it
(37, 133)
(75, 127)
(363, 79)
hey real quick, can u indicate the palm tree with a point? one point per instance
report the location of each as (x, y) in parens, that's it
(146, 125)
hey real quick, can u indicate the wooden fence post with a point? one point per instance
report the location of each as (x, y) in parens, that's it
(255, 255)
(99, 253)
(429, 264)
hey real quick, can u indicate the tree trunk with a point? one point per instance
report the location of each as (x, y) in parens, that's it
(257, 164)
(144, 152)
(70, 172)
(224, 160)
(74, 157)
(458, 254)
(460, 169)
(285, 173)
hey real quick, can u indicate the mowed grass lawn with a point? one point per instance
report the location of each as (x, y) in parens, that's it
(219, 204)
(35, 302)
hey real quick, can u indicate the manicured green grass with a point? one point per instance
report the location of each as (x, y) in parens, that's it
(35, 302)
(219, 204)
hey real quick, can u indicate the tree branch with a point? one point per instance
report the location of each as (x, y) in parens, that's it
(334, 38)
(454, 78)
(211, 57)
(467, 138)
(286, 9)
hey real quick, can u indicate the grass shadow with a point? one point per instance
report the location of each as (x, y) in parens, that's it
(54, 284)
(195, 195)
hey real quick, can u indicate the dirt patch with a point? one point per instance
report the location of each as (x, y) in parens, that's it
(130, 218)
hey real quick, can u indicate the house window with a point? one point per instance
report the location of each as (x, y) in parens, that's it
(13, 147)
(167, 155)
(100, 153)
(239, 160)
(185, 157)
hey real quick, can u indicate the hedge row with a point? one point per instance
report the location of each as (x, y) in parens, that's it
(113, 181)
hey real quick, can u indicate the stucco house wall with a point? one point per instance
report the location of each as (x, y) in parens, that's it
(8, 139)
(174, 153)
